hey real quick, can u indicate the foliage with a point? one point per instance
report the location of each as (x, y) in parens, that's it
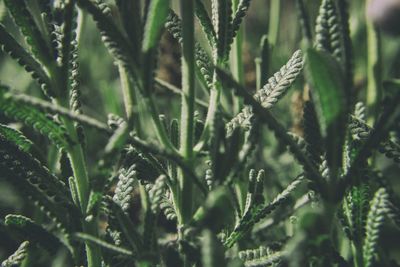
(106, 178)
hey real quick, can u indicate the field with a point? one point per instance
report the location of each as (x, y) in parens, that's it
(199, 133)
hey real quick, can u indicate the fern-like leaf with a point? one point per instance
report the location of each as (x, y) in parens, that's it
(206, 23)
(123, 191)
(33, 118)
(18, 256)
(222, 19)
(33, 232)
(203, 62)
(259, 257)
(272, 92)
(16, 137)
(157, 193)
(103, 244)
(328, 29)
(28, 27)
(375, 218)
(17, 52)
(115, 41)
(240, 13)
(257, 212)
(35, 182)
(47, 107)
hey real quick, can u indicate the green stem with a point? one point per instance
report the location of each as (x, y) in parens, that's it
(129, 97)
(78, 165)
(236, 61)
(274, 20)
(374, 71)
(187, 111)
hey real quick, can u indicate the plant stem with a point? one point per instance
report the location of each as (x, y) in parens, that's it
(374, 71)
(129, 97)
(274, 20)
(78, 165)
(187, 111)
(236, 61)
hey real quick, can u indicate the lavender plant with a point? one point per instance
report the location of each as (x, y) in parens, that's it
(206, 183)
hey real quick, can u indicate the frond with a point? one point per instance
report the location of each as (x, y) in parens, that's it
(33, 118)
(16, 137)
(35, 182)
(28, 27)
(18, 256)
(376, 215)
(221, 20)
(237, 19)
(203, 62)
(115, 41)
(272, 92)
(157, 193)
(257, 212)
(34, 232)
(47, 107)
(17, 52)
(278, 84)
(260, 257)
(123, 191)
(206, 23)
(328, 29)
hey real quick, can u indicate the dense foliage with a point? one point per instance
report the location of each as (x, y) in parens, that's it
(119, 158)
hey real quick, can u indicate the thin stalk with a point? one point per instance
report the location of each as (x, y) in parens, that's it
(78, 165)
(374, 71)
(187, 111)
(129, 97)
(236, 60)
(274, 21)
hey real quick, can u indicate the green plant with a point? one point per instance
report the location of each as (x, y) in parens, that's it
(203, 184)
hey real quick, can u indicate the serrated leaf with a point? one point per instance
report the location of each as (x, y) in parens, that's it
(33, 232)
(28, 27)
(205, 22)
(34, 118)
(16, 137)
(17, 257)
(24, 58)
(35, 182)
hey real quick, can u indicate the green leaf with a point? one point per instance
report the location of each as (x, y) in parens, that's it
(326, 78)
(206, 23)
(376, 215)
(204, 68)
(156, 16)
(36, 183)
(259, 211)
(260, 257)
(222, 19)
(238, 17)
(33, 232)
(17, 257)
(24, 58)
(34, 118)
(28, 27)
(16, 137)
(131, 19)
(114, 39)
(103, 244)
